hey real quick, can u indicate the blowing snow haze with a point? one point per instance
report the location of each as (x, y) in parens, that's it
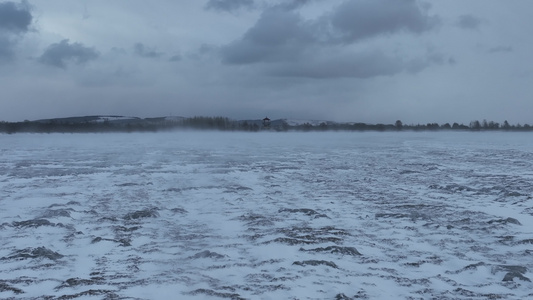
(344, 60)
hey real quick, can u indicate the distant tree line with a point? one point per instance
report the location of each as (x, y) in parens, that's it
(49, 127)
(473, 126)
(226, 124)
(398, 126)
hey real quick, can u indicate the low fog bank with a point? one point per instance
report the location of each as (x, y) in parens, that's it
(267, 142)
(101, 124)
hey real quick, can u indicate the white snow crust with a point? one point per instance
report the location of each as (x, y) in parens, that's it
(227, 215)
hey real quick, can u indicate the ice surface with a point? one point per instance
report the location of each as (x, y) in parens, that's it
(218, 215)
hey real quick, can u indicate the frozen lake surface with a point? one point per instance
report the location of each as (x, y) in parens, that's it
(217, 215)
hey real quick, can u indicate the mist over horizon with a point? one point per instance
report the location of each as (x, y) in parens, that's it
(258, 118)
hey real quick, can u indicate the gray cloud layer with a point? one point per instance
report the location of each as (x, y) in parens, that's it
(141, 50)
(281, 35)
(500, 49)
(468, 22)
(15, 17)
(15, 20)
(354, 60)
(62, 53)
(229, 5)
(356, 20)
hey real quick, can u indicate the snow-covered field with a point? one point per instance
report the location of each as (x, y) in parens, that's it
(213, 215)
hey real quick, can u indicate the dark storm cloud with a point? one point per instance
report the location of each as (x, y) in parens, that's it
(468, 22)
(282, 36)
(356, 20)
(143, 51)
(59, 54)
(15, 20)
(229, 5)
(278, 35)
(15, 17)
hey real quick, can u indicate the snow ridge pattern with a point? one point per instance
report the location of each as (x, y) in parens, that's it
(225, 215)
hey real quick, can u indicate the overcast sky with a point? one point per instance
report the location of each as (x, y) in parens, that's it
(372, 61)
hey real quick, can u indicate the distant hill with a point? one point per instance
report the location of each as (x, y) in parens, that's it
(90, 119)
(115, 123)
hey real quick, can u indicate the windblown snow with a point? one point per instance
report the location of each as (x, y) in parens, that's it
(218, 215)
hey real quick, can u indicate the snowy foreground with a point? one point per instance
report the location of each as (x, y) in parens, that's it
(213, 215)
